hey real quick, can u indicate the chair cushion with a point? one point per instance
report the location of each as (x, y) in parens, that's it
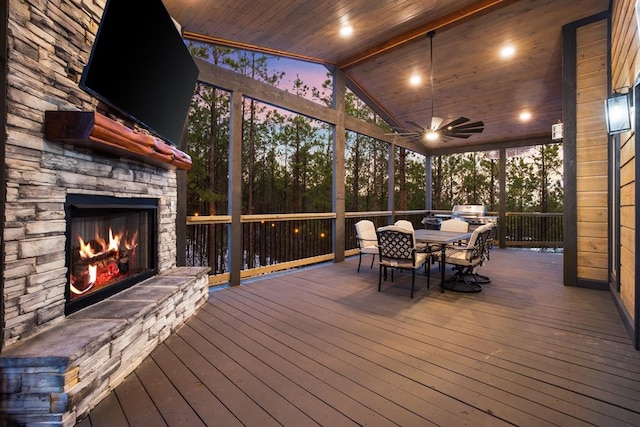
(421, 258)
(370, 250)
(454, 224)
(366, 233)
(457, 256)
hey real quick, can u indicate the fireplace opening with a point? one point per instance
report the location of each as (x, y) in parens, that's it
(111, 246)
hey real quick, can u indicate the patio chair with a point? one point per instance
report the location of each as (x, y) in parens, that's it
(486, 236)
(464, 259)
(422, 247)
(454, 224)
(398, 250)
(404, 224)
(367, 240)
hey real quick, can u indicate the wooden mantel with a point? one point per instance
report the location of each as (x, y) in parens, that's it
(93, 130)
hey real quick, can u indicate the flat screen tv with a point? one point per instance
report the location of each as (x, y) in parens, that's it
(140, 66)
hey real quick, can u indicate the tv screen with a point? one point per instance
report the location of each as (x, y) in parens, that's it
(140, 66)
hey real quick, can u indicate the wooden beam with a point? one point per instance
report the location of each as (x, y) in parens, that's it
(420, 31)
(234, 82)
(254, 48)
(373, 103)
(524, 141)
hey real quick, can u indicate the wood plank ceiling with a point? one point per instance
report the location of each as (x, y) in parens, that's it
(389, 44)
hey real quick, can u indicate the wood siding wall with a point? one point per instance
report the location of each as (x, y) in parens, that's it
(591, 153)
(624, 68)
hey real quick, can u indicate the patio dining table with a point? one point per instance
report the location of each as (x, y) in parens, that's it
(442, 238)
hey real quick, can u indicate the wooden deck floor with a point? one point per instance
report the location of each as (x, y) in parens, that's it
(322, 347)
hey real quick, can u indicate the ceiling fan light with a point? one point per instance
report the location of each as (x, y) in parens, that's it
(432, 135)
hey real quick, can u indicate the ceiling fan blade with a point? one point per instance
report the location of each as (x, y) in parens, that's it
(456, 122)
(469, 126)
(458, 131)
(416, 125)
(445, 138)
(463, 130)
(458, 135)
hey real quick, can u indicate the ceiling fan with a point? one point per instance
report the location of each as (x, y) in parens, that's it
(458, 128)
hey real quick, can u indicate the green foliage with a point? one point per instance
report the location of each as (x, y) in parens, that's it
(533, 181)
(366, 165)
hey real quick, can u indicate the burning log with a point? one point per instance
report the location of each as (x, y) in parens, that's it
(99, 270)
(100, 261)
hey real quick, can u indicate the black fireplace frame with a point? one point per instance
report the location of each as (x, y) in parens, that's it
(91, 201)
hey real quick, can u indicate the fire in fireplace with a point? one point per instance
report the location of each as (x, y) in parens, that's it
(111, 245)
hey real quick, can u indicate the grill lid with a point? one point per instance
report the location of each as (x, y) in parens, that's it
(469, 211)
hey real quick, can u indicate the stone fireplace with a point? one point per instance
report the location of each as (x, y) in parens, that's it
(90, 253)
(57, 187)
(36, 273)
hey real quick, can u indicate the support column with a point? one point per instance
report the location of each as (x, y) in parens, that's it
(234, 235)
(391, 203)
(428, 173)
(339, 142)
(502, 217)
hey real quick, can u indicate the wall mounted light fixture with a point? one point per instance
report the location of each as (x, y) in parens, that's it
(618, 112)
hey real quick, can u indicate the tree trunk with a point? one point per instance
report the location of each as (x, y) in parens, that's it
(402, 171)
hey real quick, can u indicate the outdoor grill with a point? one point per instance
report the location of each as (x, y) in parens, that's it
(475, 215)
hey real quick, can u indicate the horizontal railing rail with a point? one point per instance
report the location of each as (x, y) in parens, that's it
(273, 242)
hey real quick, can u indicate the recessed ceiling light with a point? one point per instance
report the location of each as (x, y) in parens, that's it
(507, 52)
(525, 116)
(346, 30)
(415, 80)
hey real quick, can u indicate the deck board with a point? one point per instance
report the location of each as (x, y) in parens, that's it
(136, 404)
(170, 403)
(201, 399)
(321, 346)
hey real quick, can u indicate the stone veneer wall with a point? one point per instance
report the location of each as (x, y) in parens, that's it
(49, 43)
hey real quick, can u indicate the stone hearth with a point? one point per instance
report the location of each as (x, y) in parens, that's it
(58, 376)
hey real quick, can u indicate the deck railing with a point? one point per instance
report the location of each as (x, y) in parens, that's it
(534, 229)
(282, 241)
